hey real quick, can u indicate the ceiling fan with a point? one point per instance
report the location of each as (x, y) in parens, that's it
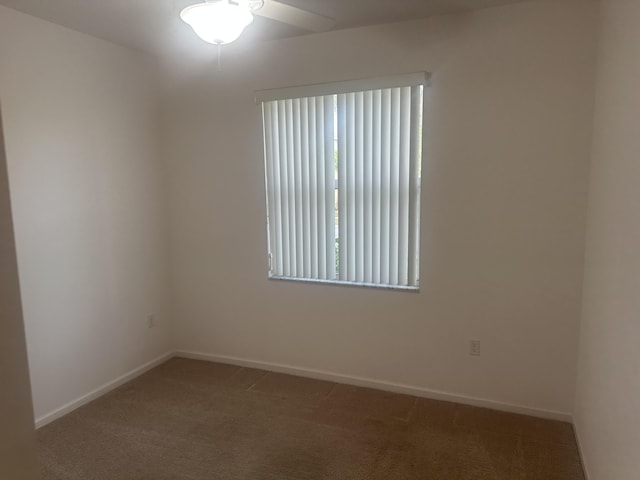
(222, 21)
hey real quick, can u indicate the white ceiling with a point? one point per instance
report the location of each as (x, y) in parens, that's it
(153, 25)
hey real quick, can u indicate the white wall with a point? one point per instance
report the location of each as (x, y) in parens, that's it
(17, 439)
(608, 394)
(503, 214)
(81, 134)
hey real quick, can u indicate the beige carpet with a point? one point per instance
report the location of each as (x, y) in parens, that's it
(203, 421)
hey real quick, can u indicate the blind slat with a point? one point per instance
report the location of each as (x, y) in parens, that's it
(306, 187)
(291, 188)
(376, 184)
(367, 251)
(414, 185)
(284, 187)
(343, 213)
(279, 230)
(329, 176)
(385, 160)
(271, 188)
(297, 162)
(403, 207)
(313, 185)
(351, 187)
(359, 185)
(394, 193)
(322, 202)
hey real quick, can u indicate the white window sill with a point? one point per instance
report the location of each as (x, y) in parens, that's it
(402, 288)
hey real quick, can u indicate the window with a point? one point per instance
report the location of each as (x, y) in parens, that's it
(342, 169)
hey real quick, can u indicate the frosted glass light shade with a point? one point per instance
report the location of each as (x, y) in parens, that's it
(217, 22)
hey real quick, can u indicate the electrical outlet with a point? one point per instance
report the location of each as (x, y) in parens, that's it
(474, 348)
(151, 321)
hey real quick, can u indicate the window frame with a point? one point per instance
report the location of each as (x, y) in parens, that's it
(336, 88)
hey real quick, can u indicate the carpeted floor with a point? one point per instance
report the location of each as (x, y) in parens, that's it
(195, 420)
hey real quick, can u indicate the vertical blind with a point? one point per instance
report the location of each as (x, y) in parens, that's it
(343, 184)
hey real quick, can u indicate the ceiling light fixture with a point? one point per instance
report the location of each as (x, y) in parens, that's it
(217, 21)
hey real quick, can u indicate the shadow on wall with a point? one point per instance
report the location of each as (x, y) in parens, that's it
(17, 435)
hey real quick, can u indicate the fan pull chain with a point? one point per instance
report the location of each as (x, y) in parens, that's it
(219, 57)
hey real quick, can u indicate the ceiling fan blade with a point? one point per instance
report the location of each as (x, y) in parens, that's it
(295, 16)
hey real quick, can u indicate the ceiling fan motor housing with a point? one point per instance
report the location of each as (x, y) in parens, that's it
(252, 5)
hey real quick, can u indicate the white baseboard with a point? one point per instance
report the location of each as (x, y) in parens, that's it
(378, 384)
(98, 392)
(310, 373)
(583, 459)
